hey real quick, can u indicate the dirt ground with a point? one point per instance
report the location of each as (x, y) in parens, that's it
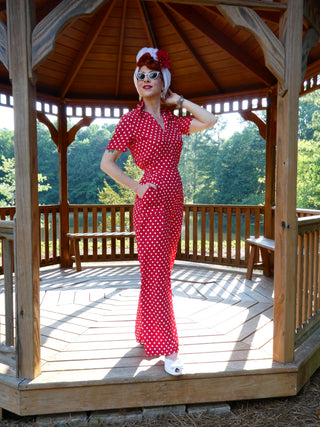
(300, 410)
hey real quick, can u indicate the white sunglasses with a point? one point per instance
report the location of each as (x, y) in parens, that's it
(153, 75)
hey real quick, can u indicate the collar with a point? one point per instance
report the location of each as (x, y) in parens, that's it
(140, 108)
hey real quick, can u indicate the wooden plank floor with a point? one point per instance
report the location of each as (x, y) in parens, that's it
(87, 322)
(88, 346)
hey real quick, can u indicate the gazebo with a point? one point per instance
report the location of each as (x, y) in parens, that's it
(74, 58)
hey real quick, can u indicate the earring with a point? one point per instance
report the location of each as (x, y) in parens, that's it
(163, 97)
(140, 98)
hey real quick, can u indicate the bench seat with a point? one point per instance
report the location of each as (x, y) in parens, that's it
(265, 246)
(76, 237)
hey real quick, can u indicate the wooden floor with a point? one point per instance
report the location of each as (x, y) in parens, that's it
(88, 345)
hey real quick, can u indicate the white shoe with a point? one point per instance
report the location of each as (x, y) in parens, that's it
(173, 367)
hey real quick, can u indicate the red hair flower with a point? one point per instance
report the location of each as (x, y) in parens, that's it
(163, 58)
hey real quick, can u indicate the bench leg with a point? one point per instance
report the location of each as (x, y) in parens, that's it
(252, 256)
(266, 262)
(77, 254)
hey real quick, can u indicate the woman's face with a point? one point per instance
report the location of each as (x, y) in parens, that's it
(149, 88)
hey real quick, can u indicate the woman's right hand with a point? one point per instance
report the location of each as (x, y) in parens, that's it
(142, 188)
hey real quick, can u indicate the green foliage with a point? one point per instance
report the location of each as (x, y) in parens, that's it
(308, 182)
(7, 183)
(213, 169)
(121, 195)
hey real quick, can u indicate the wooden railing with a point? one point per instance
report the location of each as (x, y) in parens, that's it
(308, 278)
(217, 233)
(49, 234)
(7, 330)
(210, 233)
(214, 234)
(93, 218)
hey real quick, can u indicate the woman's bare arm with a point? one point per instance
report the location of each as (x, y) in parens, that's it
(110, 167)
(202, 118)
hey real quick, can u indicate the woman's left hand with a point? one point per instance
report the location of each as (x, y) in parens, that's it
(171, 98)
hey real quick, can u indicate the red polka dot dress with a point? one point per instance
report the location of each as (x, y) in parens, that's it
(157, 219)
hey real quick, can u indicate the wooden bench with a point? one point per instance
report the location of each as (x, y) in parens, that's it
(76, 237)
(265, 246)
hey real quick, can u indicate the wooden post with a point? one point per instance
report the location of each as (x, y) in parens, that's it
(20, 15)
(270, 167)
(285, 276)
(63, 185)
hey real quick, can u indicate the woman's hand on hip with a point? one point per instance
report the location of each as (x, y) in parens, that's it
(142, 188)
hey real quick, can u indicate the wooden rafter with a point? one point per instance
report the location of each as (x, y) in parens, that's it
(46, 31)
(257, 4)
(121, 38)
(252, 117)
(191, 14)
(147, 25)
(187, 43)
(248, 19)
(3, 44)
(52, 129)
(86, 121)
(87, 45)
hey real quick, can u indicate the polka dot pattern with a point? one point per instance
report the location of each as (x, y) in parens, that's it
(157, 219)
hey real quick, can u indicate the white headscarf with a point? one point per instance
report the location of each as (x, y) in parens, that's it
(164, 71)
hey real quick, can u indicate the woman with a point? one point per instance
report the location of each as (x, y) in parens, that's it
(154, 136)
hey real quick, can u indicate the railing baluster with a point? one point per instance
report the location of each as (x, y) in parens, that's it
(54, 234)
(195, 232)
(211, 234)
(299, 282)
(229, 233)
(220, 233)
(187, 232)
(305, 278)
(113, 228)
(94, 230)
(104, 229)
(122, 228)
(203, 233)
(46, 235)
(315, 271)
(238, 235)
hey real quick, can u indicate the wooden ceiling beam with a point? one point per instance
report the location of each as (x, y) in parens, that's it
(121, 38)
(249, 20)
(86, 46)
(257, 4)
(3, 44)
(205, 26)
(147, 24)
(187, 43)
(311, 12)
(46, 31)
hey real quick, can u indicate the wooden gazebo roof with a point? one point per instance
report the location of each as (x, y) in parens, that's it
(94, 55)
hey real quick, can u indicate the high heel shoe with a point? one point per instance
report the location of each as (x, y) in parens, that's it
(173, 367)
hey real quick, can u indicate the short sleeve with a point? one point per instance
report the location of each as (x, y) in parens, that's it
(121, 138)
(184, 123)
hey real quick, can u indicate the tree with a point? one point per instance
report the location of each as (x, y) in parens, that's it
(240, 169)
(7, 184)
(84, 157)
(308, 182)
(121, 194)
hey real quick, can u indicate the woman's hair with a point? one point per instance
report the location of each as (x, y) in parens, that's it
(147, 60)
(157, 60)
